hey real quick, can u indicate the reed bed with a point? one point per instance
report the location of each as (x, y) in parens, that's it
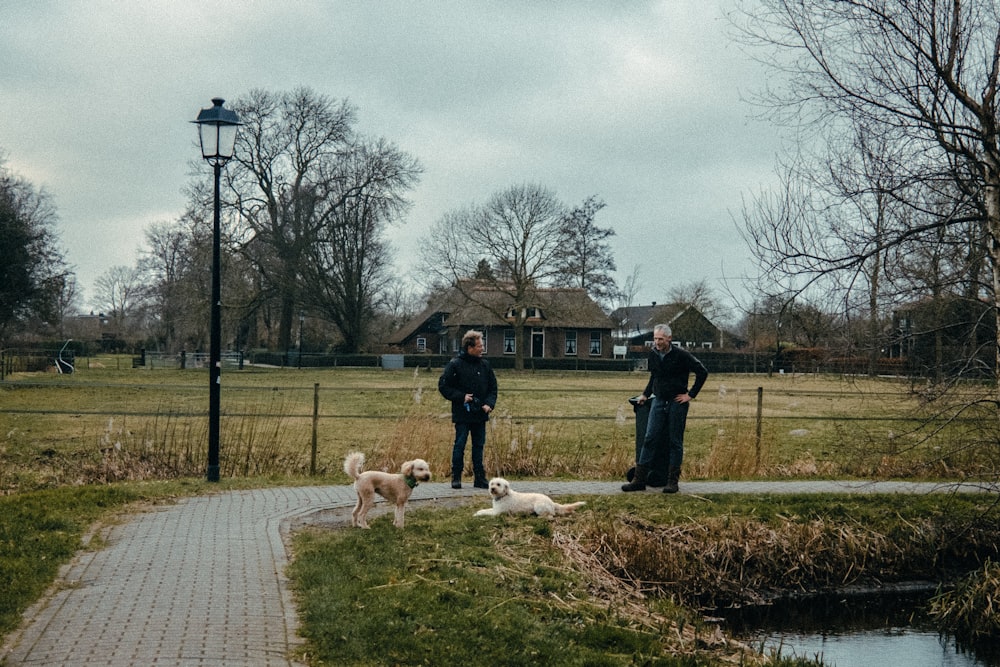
(727, 561)
(971, 611)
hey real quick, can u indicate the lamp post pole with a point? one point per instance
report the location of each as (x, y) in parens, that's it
(217, 134)
(215, 344)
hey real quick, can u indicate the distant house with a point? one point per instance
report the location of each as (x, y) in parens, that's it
(561, 322)
(691, 329)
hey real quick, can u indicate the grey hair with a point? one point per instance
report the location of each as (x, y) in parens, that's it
(470, 338)
(664, 329)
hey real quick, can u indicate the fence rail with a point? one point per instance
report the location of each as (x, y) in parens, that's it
(30, 360)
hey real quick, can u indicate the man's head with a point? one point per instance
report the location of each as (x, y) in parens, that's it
(662, 335)
(472, 343)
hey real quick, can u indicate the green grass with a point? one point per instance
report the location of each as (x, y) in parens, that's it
(451, 589)
(440, 593)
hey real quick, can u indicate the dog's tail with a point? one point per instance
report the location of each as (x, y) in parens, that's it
(353, 464)
(566, 509)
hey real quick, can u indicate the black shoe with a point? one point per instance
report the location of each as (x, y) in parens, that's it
(638, 481)
(673, 474)
(456, 485)
(481, 484)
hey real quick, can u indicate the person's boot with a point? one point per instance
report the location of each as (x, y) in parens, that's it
(479, 480)
(639, 482)
(673, 475)
(456, 479)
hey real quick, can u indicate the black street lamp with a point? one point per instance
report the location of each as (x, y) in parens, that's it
(217, 134)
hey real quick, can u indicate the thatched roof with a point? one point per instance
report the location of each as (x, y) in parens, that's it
(479, 305)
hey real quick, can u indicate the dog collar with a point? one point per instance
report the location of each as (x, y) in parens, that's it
(411, 481)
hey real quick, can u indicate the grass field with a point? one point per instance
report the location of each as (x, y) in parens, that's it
(106, 423)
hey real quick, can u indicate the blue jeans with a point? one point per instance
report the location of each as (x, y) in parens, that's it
(462, 432)
(669, 415)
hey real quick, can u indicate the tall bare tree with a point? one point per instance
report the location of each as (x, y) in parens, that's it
(922, 73)
(348, 272)
(122, 293)
(285, 180)
(519, 233)
(585, 258)
(315, 199)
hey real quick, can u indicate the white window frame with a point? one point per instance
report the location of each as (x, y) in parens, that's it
(595, 343)
(571, 338)
(509, 342)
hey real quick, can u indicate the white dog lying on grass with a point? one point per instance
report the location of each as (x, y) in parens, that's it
(508, 501)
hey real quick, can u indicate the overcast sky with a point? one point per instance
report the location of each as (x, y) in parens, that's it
(639, 103)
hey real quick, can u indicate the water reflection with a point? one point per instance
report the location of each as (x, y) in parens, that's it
(846, 631)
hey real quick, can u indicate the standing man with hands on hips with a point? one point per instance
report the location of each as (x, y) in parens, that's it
(469, 383)
(669, 370)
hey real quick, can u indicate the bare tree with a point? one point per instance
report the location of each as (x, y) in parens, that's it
(585, 258)
(285, 180)
(519, 232)
(316, 199)
(700, 295)
(924, 74)
(121, 292)
(348, 272)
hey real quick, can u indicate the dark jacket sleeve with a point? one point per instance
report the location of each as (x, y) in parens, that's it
(700, 375)
(492, 389)
(448, 384)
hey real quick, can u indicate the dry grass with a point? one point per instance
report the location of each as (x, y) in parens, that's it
(723, 561)
(548, 424)
(972, 610)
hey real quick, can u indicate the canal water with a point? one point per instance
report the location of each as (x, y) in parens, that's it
(856, 631)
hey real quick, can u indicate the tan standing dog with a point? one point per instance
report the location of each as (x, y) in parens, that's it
(508, 501)
(394, 487)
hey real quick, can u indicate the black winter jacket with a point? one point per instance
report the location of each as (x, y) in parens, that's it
(668, 377)
(466, 374)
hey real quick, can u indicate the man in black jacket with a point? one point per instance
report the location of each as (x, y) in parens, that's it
(469, 383)
(669, 370)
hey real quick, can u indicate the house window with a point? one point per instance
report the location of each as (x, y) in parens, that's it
(595, 343)
(570, 343)
(706, 346)
(531, 313)
(508, 341)
(421, 345)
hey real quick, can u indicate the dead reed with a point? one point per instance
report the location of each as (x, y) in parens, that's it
(723, 561)
(971, 611)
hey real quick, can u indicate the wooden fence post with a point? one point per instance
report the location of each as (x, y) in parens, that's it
(760, 414)
(312, 460)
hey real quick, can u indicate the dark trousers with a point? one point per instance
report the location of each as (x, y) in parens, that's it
(462, 433)
(670, 417)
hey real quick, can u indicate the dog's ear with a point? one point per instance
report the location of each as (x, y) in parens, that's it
(407, 468)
